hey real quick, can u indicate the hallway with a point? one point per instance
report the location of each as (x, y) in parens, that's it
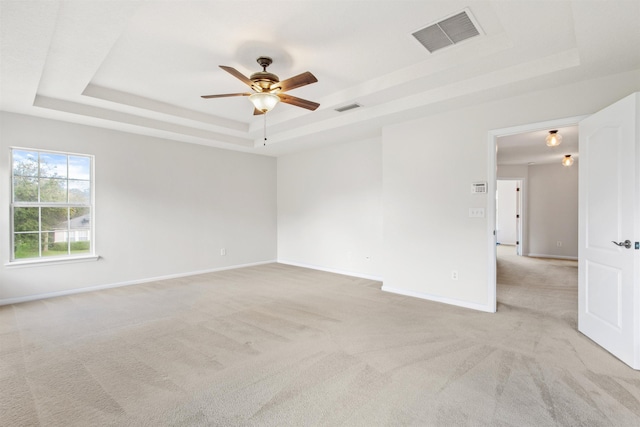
(548, 286)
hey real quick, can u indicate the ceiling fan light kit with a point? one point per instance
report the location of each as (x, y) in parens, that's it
(264, 101)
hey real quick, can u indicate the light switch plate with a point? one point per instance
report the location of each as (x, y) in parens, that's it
(476, 212)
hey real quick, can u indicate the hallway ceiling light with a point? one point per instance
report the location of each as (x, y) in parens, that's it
(554, 138)
(567, 160)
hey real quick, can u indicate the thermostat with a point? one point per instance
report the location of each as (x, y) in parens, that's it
(478, 187)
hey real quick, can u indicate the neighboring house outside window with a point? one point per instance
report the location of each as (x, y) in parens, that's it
(51, 204)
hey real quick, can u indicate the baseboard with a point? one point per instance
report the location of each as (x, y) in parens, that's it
(331, 270)
(572, 258)
(435, 298)
(17, 300)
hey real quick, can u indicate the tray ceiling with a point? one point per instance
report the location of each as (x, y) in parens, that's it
(141, 66)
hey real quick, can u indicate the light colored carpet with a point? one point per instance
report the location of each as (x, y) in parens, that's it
(277, 345)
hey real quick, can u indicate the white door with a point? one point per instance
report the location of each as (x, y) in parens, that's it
(609, 205)
(519, 217)
(507, 205)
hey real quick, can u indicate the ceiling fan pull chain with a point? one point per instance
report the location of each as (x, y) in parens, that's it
(265, 129)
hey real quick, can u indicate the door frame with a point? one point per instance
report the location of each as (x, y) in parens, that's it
(492, 177)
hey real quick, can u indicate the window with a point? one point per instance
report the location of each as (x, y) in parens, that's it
(51, 204)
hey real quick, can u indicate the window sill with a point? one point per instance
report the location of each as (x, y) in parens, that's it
(50, 261)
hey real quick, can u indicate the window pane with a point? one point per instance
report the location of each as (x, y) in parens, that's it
(26, 219)
(26, 245)
(25, 189)
(53, 165)
(81, 247)
(80, 230)
(53, 190)
(79, 167)
(54, 219)
(80, 219)
(53, 247)
(25, 163)
(80, 192)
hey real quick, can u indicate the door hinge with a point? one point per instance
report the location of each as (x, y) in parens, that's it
(637, 246)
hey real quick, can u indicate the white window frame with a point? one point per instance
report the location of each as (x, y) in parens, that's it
(88, 256)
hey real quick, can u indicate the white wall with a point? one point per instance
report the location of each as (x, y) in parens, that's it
(330, 208)
(507, 208)
(553, 210)
(163, 208)
(513, 172)
(550, 208)
(428, 167)
(328, 200)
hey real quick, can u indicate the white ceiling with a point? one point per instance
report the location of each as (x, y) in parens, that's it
(141, 66)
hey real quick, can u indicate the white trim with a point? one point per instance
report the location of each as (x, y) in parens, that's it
(331, 270)
(572, 258)
(451, 301)
(532, 127)
(37, 262)
(17, 300)
(492, 143)
(492, 273)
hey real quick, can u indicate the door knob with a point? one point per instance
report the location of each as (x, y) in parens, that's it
(626, 243)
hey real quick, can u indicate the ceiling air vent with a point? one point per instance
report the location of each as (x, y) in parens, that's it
(448, 32)
(348, 107)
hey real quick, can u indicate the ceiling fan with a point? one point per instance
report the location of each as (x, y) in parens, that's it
(268, 90)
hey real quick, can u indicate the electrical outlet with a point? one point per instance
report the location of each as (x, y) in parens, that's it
(454, 274)
(476, 212)
(223, 251)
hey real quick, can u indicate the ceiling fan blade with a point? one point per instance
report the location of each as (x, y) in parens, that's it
(257, 112)
(237, 74)
(224, 95)
(294, 82)
(298, 102)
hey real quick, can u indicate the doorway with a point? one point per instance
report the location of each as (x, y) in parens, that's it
(517, 171)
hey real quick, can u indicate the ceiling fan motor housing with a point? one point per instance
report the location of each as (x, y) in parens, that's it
(264, 79)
